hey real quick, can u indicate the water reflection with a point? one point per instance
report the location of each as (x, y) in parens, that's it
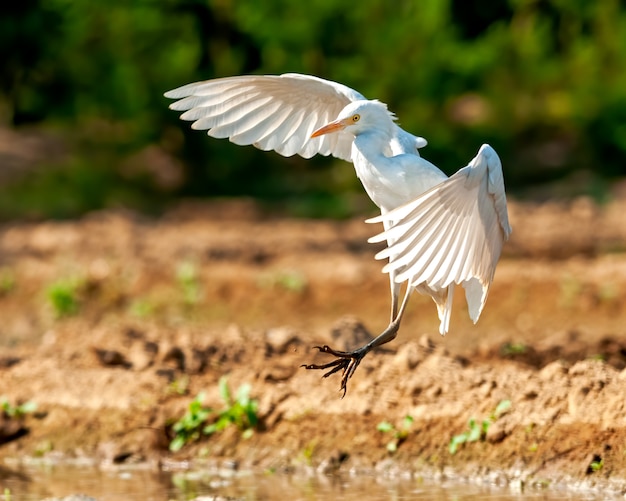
(34, 483)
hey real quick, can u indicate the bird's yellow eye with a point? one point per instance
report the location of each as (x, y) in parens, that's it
(356, 118)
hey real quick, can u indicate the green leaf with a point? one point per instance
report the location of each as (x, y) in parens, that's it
(456, 441)
(596, 465)
(243, 395)
(485, 427)
(408, 421)
(199, 398)
(392, 446)
(385, 426)
(177, 443)
(225, 391)
(475, 431)
(209, 429)
(502, 407)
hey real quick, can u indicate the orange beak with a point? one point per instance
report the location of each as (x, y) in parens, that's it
(335, 126)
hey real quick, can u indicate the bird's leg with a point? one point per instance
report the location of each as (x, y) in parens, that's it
(348, 361)
(395, 294)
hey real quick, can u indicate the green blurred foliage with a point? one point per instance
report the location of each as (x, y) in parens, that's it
(543, 81)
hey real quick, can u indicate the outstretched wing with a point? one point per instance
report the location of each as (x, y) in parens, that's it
(453, 233)
(271, 112)
(277, 113)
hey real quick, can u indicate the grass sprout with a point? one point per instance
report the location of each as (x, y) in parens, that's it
(398, 435)
(142, 308)
(240, 411)
(478, 430)
(63, 296)
(17, 411)
(188, 278)
(289, 280)
(7, 281)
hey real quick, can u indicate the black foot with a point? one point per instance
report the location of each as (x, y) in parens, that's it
(347, 361)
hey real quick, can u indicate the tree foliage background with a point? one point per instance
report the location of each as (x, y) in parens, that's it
(543, 81)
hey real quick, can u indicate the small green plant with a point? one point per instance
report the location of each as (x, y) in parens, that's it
(398, 435)
(473, 434)
(7, 281)
(306, 454)
(509, 349)
(595, 465)
(501, 408)
(141, 308)
(7, 494)
(63, 297)
(478, 431)
(240, 411)
(187, 429)
(289, 280)
(188, 279)
(17, 411)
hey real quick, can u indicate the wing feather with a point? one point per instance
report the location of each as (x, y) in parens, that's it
(451, 234)
(421, 251)
(292, 143)
(231, 127)
(228, 112)
(405, 235)
(430, 259)
(448, 258)
(270, 112)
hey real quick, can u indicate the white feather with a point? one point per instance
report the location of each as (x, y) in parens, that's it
(452, 233)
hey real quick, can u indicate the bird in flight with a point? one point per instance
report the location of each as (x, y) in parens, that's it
(440, 231)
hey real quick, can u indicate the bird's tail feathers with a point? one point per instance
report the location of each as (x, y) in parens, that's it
(475, 295)
(444, 309)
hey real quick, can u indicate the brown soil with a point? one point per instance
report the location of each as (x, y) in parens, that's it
(110, 379)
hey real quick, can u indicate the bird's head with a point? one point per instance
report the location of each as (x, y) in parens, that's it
(359, 117)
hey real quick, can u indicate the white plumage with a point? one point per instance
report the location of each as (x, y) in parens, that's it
(441, 232)
(451, 234)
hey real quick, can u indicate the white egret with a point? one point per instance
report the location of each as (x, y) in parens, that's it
(440, 231)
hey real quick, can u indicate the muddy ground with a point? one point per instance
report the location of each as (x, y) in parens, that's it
(165, 307)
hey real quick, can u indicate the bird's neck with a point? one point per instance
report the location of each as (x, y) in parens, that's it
(375, 147)
(378, 173)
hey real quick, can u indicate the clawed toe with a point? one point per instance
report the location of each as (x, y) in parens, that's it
(345, 361)
(336, 353)
(335, 366)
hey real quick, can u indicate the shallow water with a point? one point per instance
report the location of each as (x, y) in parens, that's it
(37, 482)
